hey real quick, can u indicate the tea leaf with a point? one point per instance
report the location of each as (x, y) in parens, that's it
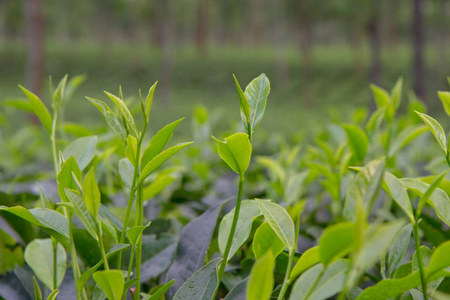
(406, 137)
(336, 241)
(149, 100)
(82, 212)
(265, 240)
(46, 219)
(159, 159)
(131, 149)
(20, 104)
(439, 200)
(383, 99)
(53, 295)
(249, 211)
(111, 282)
(423, 200)
(82, 149)
(161, 291)
(37, 290)
(303, 286)
(245, 107)
(39, 256)
(280, 221)
(308, 259)
(375, 120)
(236, 151)
(439, 260)
(260, 283)
(110, 118)
(134, 233)
(397, 190)
(39, 109)
(126, 171)
(330, 283)
(159, 141)
(256, 94)
(126, 114)
(157, 186)
(87, 274)
(91, 193)
(192, 246)
(357, 140)
(65, 177)
(436, 129)
(239, 291)
(375, 242)
(390, 288)
(59, 93)
(396, 93)
(201, 285)
(398, 249)
(445, 98)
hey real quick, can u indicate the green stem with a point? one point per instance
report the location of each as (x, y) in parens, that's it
(73, 257)
(140, 220)
(223, 264)
(130, 267)
(287, 277)
(102, 247)
(131, 196)
(72, 250)
(55, 266)
(420, 261)
(286, 280)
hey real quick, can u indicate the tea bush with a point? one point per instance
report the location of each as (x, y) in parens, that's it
(359, 211)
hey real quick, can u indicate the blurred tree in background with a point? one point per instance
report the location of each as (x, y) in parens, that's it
(363, 36)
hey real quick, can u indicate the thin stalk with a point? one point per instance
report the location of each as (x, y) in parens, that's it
(140, 220)
(419, 258)
(102, 247)
(131, 196)
(55, 267)
(223, 264)
(286, 280)
(53, 140)
(72, 250)
(287, 277)
(130, 267)
(75, 266)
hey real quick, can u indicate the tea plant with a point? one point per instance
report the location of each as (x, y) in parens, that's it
(350, 214)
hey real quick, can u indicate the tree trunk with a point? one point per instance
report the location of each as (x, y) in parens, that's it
(203, 26)
(34, 23)
(418, 41)
(256, 25)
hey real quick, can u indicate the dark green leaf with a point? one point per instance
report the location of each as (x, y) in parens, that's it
(201, 285)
